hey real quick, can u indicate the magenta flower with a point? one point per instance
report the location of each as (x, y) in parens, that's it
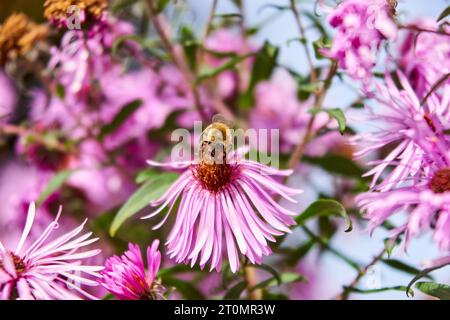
(47, 270)
(425, 56)
(225, 207)
(419, 182)
(126, 278)
(361, 28)
(416, 131)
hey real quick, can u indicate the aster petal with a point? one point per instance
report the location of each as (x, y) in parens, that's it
(203, 227)
(8, 264)
(23, 289)
(153, 260)
(6, 291)
(262, 209)
(230, 214)
(231, 248)
(28, 225)
(207, 249)
(271, 184)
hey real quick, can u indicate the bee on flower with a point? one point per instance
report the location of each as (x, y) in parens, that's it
(227, 205)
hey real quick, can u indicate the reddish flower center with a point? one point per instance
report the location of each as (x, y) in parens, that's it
(441, 181)
(47, 159)
(18, 263)
(213, 176)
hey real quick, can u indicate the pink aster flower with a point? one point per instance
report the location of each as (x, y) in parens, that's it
(425, 56)
(361, 28)
(419, 181)
(226, 206)
(416, 131)
(126, 278)
(47, 270)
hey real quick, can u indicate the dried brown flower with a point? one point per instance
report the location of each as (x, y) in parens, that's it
(57, 10)
(18, 36)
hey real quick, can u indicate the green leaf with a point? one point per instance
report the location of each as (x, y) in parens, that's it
(325, 243)
(145, 175)
(186, 288)
(145, 43)
(317, 23)
(60, 91)
(318, 45)
(422, 274)
(178, 268)
(401, 266)
(263, 66)
(270, 270)
(236, 291)
(232, 15)
(265, 62)
(438, 290)
(298, 253)
(337, 114)
(274, 296)
(274, 6)
(54, 184)
(368, 291)
(211, 73)
(149, 191)
(161, 5)
(108, 296)
(190, 46)
(120, 118)
(337, 164)
(325, 207)
(390, 244)
(444, 14)
(121, 4)
(287, 277)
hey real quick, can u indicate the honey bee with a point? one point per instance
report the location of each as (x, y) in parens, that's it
(216, 141)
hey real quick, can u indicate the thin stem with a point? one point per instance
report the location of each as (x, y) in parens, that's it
(208, 26)
(309, 134)
(303, 36)
(250, 277)
(219, 105)
(177, 56)
(10, 129)
(436, 86)
(326, 245)
(362, 272)
(419, 29)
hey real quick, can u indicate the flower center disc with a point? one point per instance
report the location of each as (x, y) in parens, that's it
(441, 181)
(213, 176)
(18, 263)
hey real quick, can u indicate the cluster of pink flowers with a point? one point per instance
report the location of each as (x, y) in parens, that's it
(362, 26)
(424, 56)
(418, 181)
